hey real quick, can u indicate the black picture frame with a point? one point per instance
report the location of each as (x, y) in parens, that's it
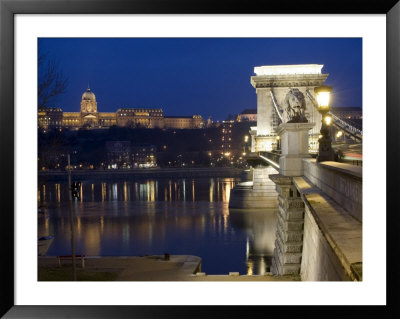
(8, 8)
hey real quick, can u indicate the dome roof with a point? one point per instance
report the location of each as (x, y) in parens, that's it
(88, 95)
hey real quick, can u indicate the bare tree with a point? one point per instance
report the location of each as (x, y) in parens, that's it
(51, 80)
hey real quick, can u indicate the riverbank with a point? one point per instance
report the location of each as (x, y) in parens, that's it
(142, 173)
(143, 268)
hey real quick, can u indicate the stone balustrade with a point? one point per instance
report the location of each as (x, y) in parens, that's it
(342, 182)
(332, 237)
(319, 231)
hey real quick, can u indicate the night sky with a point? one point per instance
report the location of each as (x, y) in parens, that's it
(186, 76)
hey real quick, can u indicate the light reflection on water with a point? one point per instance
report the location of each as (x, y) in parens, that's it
(157, 216)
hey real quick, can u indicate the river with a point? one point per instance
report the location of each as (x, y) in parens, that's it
(154, 216)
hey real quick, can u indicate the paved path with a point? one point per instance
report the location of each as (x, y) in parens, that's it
(156, 268)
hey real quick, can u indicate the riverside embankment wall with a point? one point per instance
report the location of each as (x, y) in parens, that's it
(332, 242)
(141, 173)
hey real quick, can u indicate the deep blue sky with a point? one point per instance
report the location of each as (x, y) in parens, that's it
(185, 76)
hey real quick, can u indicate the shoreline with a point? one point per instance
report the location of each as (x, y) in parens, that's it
(143, 173)
(154, 268)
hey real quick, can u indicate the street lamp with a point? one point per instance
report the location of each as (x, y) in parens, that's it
(339, 135)
(245, 147)
(325, 151)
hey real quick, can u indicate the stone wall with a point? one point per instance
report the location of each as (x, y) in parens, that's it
(258, 193)
(289, 235)
(319, 261)
(342, 182)
(332, 235)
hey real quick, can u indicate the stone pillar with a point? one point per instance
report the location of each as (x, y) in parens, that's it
(294, 147)
(259, 193)
(279, 79)
(289, 235)
(264, 111)
(253, 143)
(265, 134)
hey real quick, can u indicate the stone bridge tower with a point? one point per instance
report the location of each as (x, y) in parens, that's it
(272, 84)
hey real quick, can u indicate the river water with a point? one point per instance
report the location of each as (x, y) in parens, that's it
(188, 216)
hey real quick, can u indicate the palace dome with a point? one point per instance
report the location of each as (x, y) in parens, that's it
(88, 95)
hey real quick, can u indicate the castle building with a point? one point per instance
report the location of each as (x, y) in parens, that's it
(249, 115)
(50, 117)
(182, 122)
(90, 118)
(148, 118)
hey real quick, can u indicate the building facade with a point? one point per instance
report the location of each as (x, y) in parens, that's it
(183, 122)
(249, 115)
(123, 155)
(89, 117)
(50, 117)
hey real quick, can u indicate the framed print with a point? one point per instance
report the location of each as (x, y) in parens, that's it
(138, 174)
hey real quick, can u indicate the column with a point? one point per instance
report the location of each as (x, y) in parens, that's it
(289, 234)
(264, 111)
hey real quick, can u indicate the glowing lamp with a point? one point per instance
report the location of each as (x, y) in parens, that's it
(328, 120)
(323, 94)
(325, 151)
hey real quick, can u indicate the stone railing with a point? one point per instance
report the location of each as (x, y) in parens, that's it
(332, 234)
(332, 238)
(342, 182)
(319, 232)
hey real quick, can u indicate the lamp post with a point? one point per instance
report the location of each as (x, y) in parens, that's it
(339, 136)
(246, 140)
(325, 151)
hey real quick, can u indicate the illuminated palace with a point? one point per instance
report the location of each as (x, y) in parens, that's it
(89, 117)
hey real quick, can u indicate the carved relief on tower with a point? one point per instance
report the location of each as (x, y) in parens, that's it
(287, 83)
(295, 106)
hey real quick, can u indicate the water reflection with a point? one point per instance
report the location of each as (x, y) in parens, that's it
(155, 216)
(193, 197)
(58, 192)
(260, 228)
(148, 190)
